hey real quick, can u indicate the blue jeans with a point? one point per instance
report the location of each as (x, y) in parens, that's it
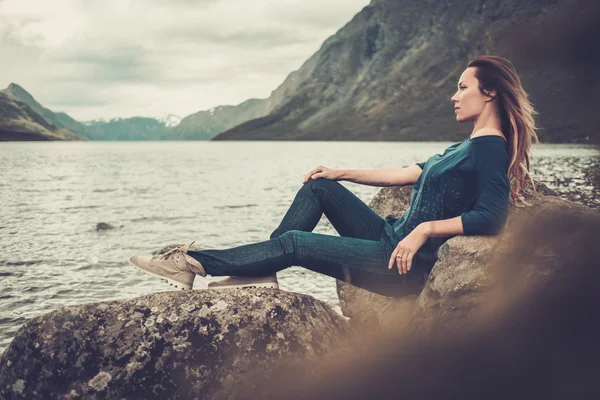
(365, 244)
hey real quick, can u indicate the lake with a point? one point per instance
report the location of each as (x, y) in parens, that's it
(221, 194)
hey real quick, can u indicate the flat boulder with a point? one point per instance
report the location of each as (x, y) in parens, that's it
(190, 344)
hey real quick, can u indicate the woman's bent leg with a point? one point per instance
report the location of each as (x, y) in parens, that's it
(348, 214)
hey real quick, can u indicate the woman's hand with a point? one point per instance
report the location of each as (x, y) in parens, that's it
(407, 248)
(323, 172)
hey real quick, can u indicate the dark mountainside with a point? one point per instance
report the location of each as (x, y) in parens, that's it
(18, 121)
(390, 72)
(61, 120)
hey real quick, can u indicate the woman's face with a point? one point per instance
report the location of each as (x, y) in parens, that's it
(468, 100)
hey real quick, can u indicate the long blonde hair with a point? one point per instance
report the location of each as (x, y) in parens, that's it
(516, 113)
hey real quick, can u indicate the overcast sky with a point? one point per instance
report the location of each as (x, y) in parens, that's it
(122, 58)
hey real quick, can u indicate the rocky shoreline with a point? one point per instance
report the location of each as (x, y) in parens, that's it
(209, 344)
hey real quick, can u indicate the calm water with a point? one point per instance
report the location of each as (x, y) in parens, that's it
(221, 194)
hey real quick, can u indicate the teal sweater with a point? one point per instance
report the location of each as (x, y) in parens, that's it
(468, 180)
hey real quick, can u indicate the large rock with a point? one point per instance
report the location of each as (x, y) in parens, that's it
(462, 278)
(456, 254)
(192, 344)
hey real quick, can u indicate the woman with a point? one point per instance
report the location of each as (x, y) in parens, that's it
(464, 191)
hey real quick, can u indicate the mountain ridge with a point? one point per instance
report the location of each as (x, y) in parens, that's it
(390, 72)
(202, 125)
(19, 121)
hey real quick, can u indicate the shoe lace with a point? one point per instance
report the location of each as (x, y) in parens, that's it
(182, 249)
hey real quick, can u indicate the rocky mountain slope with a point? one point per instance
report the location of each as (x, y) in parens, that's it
(60, 119)
(205, 125)
(18, 121)
(390, 72)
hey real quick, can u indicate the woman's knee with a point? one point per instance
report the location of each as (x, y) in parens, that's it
(289, 240)
(322, 183)
(321, 186)
(294, 242)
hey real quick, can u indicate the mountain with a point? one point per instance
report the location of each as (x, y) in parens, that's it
(60, 120)
(136, 128)
(69, 123)
(18, 121)
(205, 125)
(390, 72)
(170, 120)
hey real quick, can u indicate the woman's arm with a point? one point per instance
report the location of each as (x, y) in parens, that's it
(479, 221)
(382, 176)
(487, 217)
(442, 227)
(490, 211)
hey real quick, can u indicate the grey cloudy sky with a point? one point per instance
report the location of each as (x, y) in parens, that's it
(123, 58)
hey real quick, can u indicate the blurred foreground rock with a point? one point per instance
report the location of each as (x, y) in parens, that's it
(192, 344)
(531, 335)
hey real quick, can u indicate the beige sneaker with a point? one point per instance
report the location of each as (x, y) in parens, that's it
(175, 266)
(232, 282)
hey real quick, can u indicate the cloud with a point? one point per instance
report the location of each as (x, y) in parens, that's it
(120, 58)
(180, 3)
(261, 37)
(127, 64)
(312, 13)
